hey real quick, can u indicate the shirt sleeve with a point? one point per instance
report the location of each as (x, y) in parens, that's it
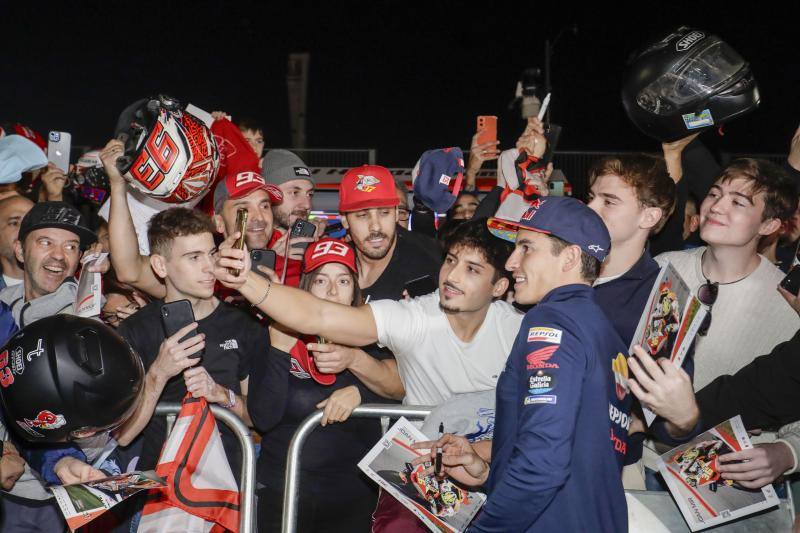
(399, 324)
(549, 366)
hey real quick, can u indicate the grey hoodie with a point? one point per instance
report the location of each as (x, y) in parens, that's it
(62, 301)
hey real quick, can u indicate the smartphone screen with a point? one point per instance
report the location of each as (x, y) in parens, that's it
(58, 148)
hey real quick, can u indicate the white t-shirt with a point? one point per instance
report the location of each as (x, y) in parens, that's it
(10, 282)
(434, 363)
(748, 319)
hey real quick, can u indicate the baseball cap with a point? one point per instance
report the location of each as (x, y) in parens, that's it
(434, 174)
(239, 184)
(18, 155)
(56, 215)
(24, 131)
(559, 216)
(299, 353)
(280, 166)
(326, 251)
(367, 187)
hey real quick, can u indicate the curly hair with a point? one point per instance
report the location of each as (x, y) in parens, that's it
(165, 226)
(474, 234)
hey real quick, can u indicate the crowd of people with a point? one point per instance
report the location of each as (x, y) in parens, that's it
(519, 343)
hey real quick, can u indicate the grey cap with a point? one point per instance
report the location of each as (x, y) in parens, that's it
(18, 155)
(280, 166)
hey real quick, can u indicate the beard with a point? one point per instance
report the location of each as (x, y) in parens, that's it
(448, 308)
(283, 218)
(374, 253)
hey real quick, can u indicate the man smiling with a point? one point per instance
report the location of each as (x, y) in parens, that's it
(748, 316)
(51, 236)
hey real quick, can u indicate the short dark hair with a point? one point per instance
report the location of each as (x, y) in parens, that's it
(474, 234)
(590, 267)
(165, 226)
(647, 175)
(780, 193)
(247, 123)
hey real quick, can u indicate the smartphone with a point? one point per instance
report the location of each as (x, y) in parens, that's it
(302, 228)
(792, 280)
(420, 286)
(241, 227)
(58, 146)
(174, 316)
(265, 258)
(487, 128)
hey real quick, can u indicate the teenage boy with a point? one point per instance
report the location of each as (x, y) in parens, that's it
(562, 400)
(634, 196)
(182, 255)
(747, 314)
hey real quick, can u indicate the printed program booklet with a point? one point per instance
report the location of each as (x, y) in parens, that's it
(669, 323)
(83, 502)
(441, 505)
(704, 497)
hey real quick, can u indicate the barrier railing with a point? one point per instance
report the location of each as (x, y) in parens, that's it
(247, 484)
(291, 486)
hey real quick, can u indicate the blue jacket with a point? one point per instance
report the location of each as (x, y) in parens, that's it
(561, 423)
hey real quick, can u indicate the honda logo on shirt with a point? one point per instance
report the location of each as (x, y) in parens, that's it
(244, 178)
(329, 247)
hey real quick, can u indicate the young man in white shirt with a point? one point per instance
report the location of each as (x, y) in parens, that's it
(455, 340)
(748, 316)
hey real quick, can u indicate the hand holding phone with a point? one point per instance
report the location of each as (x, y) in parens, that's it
(177, 315)
(265, 258)
(302, 228)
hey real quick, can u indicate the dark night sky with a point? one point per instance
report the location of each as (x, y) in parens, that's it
(402, 77)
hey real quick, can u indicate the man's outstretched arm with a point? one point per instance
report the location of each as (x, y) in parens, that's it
(295, 308)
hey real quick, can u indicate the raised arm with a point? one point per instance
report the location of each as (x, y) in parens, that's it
(129, 266)
(295, 308)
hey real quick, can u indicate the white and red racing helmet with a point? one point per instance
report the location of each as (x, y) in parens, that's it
(170, 155)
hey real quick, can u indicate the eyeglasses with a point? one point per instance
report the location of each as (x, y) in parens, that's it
(402, 214)
(707, 294)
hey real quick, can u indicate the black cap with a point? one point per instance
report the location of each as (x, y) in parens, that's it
(56, 215)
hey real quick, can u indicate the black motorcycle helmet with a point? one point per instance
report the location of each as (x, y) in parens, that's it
(687, 82)
(66, 377)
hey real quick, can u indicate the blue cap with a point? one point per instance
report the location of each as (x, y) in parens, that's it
(437, 178)
(560, 216)
(18, 155)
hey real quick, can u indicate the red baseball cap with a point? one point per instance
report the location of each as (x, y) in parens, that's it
(239, 184)
(299, 354)
(367, 187)
(326, 251)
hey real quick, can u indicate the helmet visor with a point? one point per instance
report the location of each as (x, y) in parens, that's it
(699, 76)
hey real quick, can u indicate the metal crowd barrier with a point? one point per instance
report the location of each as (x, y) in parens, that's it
(247, 485)
(291, 488)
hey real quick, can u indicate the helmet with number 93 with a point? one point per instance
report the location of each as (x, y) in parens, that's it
(65, 378)
(170, 154)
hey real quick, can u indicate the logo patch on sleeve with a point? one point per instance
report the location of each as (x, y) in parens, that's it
(551, 335)
(541, 383)
(545, 398)
(539, 359)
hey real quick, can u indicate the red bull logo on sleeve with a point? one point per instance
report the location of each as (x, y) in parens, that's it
(46, 420)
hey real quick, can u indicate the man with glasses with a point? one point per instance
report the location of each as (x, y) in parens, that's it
(403, 211)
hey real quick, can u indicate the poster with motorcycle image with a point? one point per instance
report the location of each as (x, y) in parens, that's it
(441, 504)
(669, 323)
(702, 493)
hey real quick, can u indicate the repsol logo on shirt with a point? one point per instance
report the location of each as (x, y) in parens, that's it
(551, 335)
(618, 417)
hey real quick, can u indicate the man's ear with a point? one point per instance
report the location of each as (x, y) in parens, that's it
(500, 287)
(18, 251)
(220, 225)
(770, 226)
(159, 264)
(571, 258)
(344, 222)
(651, 217)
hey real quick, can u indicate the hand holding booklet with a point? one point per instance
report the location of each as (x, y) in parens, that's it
(81, 503)
(669, 323)
(702, 493)
(439, 504)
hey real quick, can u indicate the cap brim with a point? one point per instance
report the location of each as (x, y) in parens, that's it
(507, 229)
